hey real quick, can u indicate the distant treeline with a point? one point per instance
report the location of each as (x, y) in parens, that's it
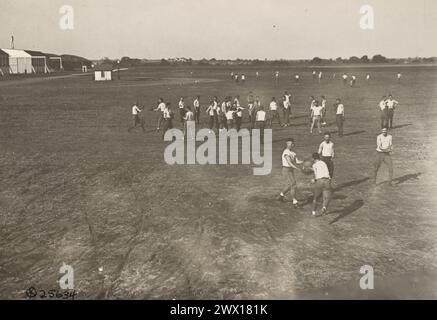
(133, 62)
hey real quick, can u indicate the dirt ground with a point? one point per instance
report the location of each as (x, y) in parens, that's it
(76, 187)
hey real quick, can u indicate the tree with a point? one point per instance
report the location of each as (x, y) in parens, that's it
(365, 59)
(316, 60)
(164, 62)
(379, 59)
(354, 59)
(339, 60)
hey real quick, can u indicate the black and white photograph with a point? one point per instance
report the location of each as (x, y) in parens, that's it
(218, 150)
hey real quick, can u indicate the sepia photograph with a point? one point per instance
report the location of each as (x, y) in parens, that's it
(218, 150)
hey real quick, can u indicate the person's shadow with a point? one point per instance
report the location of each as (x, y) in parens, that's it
(350, 184)
(347, 210)
(401, 126)
(407, 177)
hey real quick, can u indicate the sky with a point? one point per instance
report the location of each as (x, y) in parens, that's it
(222, 29)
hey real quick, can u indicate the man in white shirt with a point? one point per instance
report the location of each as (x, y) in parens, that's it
(312, 104)
(326, 152)
(320, 76)
(316, 116)
(339, 116)
(181, 105)
(344, 76)
(230, 118)
(238, 117)
(323, 119)
(296, 78)
(160, 109)
(168, 118)
(251, 109)
(261, 121)
(223, 110)
(368, 77)
(212, 113)
(314, 75)
(196, 106)
(136, 120)
(399, 76)
(383, 111)
(290, 163)
(286, 108)
(274, 114)
(243, 78)
(384, 147)
(189, 127)
(353, 80)
(321, 184)
(391, 106)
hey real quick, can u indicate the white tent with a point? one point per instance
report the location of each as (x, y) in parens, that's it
(19, 61)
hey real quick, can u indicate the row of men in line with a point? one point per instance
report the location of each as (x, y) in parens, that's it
(315, 75)
(229, 114)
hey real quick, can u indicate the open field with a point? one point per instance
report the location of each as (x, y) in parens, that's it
(76, 187)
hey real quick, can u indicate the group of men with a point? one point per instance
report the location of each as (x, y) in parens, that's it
(228, 114)
(387, 107)
(322, 167)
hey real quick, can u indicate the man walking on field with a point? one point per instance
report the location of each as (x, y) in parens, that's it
(384, 148)
(391, 106)
(290, 164)
(339, 116)
(274, 114)
(196, 105)
(383, 112)
(321, 184)
(161, 107)
(136, 120)
(287, 107)
(316, 116)
(326, 152)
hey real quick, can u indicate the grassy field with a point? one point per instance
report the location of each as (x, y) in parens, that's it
(76, 187)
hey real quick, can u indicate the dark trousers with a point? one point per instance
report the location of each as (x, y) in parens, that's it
(181, 114)
(287, 115)
(390, 114)
(339, 119)
(211, 122)
(238, 121)
(197, 116)
(168, 124)
(136, 120)
(384, 118)
(383, 157)
(329, 164)
(274, 114)
(261, 125)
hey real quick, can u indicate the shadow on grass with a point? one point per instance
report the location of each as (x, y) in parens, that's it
(347, 210)
(353, 133)
(407, 177)
(401, 126)
(350, 184)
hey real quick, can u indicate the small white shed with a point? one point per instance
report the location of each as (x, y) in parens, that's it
(103, 73)
(19, 61)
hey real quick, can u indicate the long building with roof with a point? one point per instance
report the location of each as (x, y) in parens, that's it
(17, 61)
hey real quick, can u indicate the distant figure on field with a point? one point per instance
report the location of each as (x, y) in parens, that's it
(339, 116)
(136, 119)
